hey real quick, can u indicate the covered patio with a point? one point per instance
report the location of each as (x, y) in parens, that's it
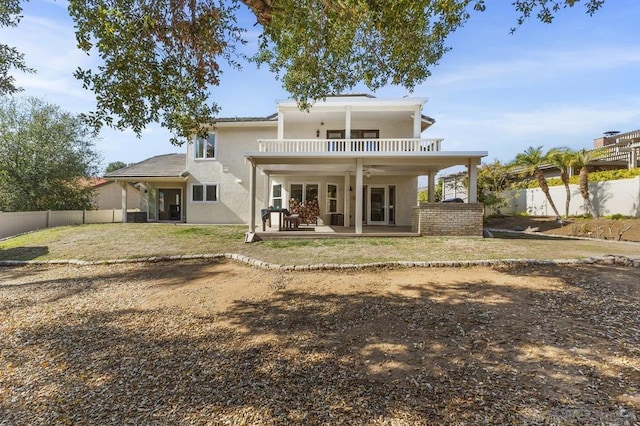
(357, 165)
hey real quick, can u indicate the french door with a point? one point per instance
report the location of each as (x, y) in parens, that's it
(380, 206)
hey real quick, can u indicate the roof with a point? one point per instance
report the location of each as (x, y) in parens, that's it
(96, 182)
(272, 117)
(160, 166)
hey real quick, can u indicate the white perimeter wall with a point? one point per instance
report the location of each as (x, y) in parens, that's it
(608, 198)
(15, 223)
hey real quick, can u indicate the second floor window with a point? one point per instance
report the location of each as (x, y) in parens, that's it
(205, 149)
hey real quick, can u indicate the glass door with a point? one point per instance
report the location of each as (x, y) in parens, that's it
(377, 205)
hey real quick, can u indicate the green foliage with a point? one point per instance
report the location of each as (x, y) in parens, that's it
(618, 216)
(320, 47)
(45, 157)
(159, 59)
(423, 196)
(10, 58)
(330, 242)
(545, 10)
(602, 176)
(115, 165)
(491, 183)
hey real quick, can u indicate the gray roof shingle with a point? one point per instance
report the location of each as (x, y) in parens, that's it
(167, 165)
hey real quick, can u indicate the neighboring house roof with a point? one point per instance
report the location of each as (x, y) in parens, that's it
(160, 166)
(96, 182)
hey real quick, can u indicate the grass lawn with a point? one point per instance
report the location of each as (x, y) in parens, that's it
(116, 241)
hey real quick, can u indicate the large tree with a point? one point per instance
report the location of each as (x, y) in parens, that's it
(161, 57)
(46, 157)
(532, 159)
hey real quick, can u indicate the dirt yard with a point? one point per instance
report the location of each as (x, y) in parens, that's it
(610, 229)
(220, 343)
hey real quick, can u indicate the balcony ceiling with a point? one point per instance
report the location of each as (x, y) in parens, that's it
(297, 117)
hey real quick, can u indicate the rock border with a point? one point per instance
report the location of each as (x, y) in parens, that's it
(610, 259)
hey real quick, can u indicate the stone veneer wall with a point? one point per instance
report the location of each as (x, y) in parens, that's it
(448, 219)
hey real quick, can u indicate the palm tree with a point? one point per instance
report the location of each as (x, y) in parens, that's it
(564, 159)
(582, 160)
(531, 159)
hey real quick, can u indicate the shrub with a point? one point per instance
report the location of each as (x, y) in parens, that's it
(601, 176)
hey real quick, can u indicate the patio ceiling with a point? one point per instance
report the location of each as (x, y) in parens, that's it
(373, 163)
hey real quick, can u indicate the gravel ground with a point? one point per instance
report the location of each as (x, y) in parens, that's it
(218, 343)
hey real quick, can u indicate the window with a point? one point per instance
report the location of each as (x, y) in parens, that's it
(304, 192)
(311, 192)
(332, 198)
(204, 193)
(338, 145)
(364, 140)
(276, 196)
(205, 149)
(367, 144)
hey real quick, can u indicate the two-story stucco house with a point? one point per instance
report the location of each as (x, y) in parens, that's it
(356, 156)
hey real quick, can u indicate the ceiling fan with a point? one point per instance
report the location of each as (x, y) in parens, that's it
(369, 170)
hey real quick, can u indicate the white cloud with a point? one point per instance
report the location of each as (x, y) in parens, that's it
(505, 133)
(538, 65)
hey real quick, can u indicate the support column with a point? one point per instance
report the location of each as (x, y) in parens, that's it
(347, 123)
(472, 190)
(347, 199)
(417, 123)
(280, 125)
(123, 205)
(252, 198)
(267, 190)
(431, 186)
(358, 190)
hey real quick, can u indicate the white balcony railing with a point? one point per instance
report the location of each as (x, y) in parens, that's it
(349, 145)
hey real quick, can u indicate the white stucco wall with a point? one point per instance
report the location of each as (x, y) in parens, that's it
(109, 196)
(610, 197)
(230, 172)
(388, 129)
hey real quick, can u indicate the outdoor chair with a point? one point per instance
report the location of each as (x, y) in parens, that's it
(266, 217)
(290, 220)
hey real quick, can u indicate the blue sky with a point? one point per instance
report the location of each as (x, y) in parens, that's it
(553, 85)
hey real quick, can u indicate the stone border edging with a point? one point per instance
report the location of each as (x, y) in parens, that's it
(601, 260)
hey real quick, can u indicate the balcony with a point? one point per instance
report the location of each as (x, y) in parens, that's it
(348, 146)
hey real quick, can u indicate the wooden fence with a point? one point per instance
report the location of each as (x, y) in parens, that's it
(15, 223)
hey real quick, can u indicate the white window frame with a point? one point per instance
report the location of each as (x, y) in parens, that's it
(211, 137)
(204, 192)
(281, 197)
(304, 190)
(329, 199)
